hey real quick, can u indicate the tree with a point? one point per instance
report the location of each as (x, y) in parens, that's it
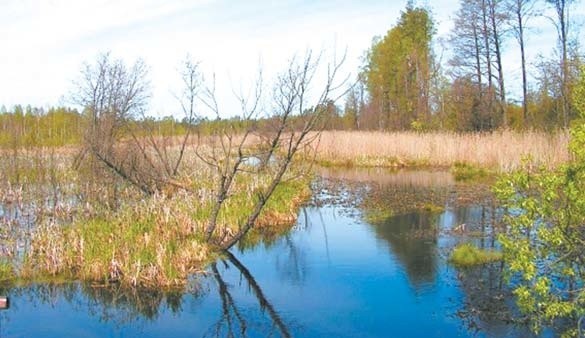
(260, 144)
(351, 111)
(477, 39)
(293, 124)
(111, 95)
(545, 238)
(522, 11)
(497, 17)
(562, 25)
(467, 64)
(399, 69)
(119, 135)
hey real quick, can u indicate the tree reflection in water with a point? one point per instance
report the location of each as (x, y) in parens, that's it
(488, 305)
(232, 322)
(126, 307)
(111, 304)
(413, 240)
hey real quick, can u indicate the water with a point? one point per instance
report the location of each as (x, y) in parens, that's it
(333, 275)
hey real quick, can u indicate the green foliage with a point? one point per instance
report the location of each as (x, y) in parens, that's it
(468, 255)
(433, 208)
(545, 240)
(32, 127)
(399, 69)
(25, 128)
(465, 172)
(418, 126)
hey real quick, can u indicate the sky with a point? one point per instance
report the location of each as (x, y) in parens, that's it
(46, 42)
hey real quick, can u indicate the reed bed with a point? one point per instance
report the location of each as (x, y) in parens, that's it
(500, 150)
(60, 223)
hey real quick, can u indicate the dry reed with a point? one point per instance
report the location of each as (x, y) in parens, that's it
(501, 150)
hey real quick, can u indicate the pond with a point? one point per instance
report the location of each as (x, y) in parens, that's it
(333, 275)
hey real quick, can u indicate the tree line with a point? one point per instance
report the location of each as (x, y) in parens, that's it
(404, 84)
(30, 127)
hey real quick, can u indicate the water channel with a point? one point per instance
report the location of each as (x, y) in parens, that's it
(333, 275)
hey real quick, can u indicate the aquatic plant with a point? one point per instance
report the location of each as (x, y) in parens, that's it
(468, 255)
(156, 242)
(465, 172)
(377, 215)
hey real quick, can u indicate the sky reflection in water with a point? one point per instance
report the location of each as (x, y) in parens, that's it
(334, 275)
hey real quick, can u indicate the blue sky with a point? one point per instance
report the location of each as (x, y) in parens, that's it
(44, 43)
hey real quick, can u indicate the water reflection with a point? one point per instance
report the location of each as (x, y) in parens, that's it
(412, 238)
(332, 275)
(112, 304)
(420, 239)
(233, 322)
(134, 310)
(291, 264)
(385, 177)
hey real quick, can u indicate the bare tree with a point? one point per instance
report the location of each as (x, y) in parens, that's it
(295, 124)
(562, 24)
(477, 40)
(522, 11)
(498, 17)
(119, 135)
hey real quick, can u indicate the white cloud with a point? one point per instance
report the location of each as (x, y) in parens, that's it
(44, 43)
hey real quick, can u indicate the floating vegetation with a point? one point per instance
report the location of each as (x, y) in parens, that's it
(466, 172)
(468, 255)
(433, 208)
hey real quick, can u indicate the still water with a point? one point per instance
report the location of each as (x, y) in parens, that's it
(333, 275)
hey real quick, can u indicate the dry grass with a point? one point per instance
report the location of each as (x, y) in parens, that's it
(88, 227)
(501, 150)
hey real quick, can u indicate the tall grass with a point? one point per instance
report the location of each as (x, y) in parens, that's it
(157, 242)
(57, 222)
(500, 150)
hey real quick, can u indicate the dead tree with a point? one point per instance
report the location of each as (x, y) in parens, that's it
(118, 135)
(115, 98)
(295, 122)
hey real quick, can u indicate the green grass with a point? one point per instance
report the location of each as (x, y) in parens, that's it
(466, 172)
(6, 272)
(279, 214)
(468, 255)
(156, 242)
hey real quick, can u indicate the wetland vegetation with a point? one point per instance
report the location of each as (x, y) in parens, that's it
(464, 211)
